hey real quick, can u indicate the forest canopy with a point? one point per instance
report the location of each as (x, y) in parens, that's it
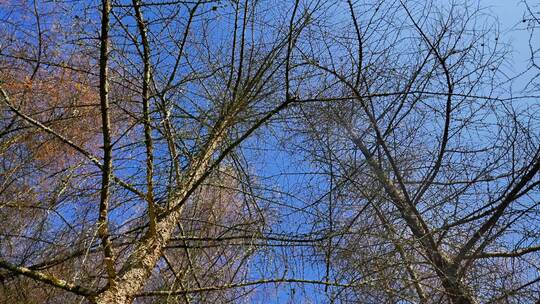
(248, 151)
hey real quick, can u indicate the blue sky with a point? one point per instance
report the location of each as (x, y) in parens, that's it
(513, 30)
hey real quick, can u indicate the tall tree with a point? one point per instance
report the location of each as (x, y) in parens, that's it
(231, 151)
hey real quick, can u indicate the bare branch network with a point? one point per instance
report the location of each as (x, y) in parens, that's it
(219, 151)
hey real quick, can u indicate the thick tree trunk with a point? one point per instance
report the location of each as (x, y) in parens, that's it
(138, 268)
(456, 292)
(446, 271)
(140, 265)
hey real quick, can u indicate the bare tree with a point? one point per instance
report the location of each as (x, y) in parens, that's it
(424, 135)
(173, 94)
(233, 151)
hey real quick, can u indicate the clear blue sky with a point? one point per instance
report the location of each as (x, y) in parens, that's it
(510, 14)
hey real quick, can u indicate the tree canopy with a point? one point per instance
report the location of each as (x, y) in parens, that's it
(213, 151)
